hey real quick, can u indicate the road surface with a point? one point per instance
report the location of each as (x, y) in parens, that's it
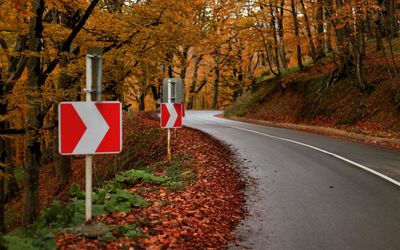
(309, 191)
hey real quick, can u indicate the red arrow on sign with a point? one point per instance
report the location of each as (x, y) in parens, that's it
(171, 115)
(90, 127)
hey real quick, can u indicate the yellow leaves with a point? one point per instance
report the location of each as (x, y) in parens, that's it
(13, 16)
(2, 174)
(4, 118)
(56, 33)
(63, 5)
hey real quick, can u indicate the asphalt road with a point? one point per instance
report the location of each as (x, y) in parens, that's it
(308, 191)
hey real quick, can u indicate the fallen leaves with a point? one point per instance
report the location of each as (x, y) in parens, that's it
(199, 216)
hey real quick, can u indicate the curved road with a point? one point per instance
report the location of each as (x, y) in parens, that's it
(309, 190)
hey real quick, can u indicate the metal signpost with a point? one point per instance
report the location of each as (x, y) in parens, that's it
(177, 90)
(93, 84)
(91, 127)
(173, 92)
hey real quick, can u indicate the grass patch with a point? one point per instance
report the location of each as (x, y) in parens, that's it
(252, 100)
(135, 146)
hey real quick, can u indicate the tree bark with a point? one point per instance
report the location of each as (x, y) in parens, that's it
(320, 30)
(359, 50)
(184, 58)
(12, 189)
(155, 90)
(62, 163)
(296, 33)
(192, 88)
(309, 34)
(3, 111)
(378, 32)
(2, 197)
(276, 46)
(390, 20)
(142, 104)
(368, 26)
(214, 103)
(34, 117)
(2, 193)
(280, 36)
(328, 38)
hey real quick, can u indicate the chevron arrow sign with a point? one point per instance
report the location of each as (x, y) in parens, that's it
(89, 128)
(171, 115)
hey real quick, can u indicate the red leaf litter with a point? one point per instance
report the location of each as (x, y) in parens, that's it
(200, 216)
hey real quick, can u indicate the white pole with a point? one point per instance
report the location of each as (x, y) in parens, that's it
(89, 158)
(88, 181)
(99, 77)
(169, 130)
(169, 145)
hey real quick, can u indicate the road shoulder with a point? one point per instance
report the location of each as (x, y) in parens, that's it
(334, 132)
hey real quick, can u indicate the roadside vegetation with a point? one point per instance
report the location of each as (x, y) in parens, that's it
(317, 96)
(141, 200)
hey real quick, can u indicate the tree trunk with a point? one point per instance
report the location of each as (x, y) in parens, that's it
(368, 27)
(185, 54)
(3, 111)
(184, 65)
(276, 46)
(2, 193)
(390, 20)
(170, 70)
(142, 104)
(329, 25)
(214, 104)
(155, 90)
(192, 88)
(328, 38)
(62, 163)
(34, 117)
(378, 32)
(296, 33)
(320, 30)
(280, 36)
(309, 35)
(360, 52)
(2, 199)
(360, 71)
(12, 185)
(342, 33)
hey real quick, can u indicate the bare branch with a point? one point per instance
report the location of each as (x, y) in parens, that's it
(12, 131)
(67, 44)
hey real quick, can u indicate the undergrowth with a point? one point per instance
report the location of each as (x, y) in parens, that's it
(252, 100)
(112, 197)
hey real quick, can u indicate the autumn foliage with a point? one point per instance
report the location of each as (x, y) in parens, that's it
(222, 50)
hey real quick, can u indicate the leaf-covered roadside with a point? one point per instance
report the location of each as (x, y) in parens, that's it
(201, 215)
(192, 202)
(142, 147)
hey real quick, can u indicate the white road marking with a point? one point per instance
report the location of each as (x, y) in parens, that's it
(96, 127)
(326, 152)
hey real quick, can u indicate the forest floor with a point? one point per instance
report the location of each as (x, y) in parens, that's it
(317, 100)
(193, 202)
